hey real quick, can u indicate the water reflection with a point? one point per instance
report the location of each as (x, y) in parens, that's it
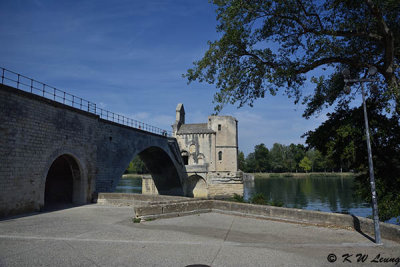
(129, 185)
(323, 193)
(331, 194)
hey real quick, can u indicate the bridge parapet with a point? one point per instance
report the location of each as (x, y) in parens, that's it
(30, 85)
(54, 153)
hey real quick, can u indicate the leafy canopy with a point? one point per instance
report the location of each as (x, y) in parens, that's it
(271, 45)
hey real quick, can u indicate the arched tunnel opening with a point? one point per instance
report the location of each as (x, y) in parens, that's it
(156, 163)
(60, 182)
(197, 186)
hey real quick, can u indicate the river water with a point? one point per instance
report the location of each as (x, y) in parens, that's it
(323, 193)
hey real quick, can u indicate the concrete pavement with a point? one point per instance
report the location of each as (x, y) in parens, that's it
(99, 235)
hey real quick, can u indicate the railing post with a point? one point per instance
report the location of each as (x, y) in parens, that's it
(2, 77)
(73, 100)
(54, 93)
(64, 98)
(31, 85)
(44, 85)
(18, 82)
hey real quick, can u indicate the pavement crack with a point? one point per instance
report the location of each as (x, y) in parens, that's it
(226, 236)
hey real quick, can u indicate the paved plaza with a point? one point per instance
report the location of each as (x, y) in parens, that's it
(98, 235)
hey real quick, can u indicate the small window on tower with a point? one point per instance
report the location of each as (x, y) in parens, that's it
(220, 155)
(185, 157)
(185, 160)
(219, 127)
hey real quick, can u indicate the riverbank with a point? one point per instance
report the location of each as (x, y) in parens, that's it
(302, 174)
(133, 175)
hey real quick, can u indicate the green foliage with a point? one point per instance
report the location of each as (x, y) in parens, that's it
(136, 166)
(258, 199)
(271, 45)
(136, 220)
(347, 146)
(282, 158)
(241, 161)
(261, 156)
(305, 164)
(276, 203)
(238, 198)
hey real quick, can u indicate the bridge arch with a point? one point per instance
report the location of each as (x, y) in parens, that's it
(162, 169)
(197, 186)
(65, 181)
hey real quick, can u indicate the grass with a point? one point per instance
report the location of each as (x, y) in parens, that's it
(136, 220)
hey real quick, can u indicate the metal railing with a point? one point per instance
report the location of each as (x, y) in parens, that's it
(30, 85)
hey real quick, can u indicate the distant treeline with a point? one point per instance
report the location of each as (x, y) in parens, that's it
(136, 166)
(280, 158)
(288, 158)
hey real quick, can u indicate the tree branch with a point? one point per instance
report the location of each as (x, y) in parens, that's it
(324, 61)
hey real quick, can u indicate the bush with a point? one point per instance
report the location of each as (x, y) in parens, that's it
(258, 199)
(238, 198)
(276, 203)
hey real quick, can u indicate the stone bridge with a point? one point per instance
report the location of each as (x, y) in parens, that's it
(53, 153)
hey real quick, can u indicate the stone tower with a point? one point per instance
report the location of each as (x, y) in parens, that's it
(210, 153)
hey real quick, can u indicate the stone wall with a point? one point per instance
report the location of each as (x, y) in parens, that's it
(226, 142)
(35, 131)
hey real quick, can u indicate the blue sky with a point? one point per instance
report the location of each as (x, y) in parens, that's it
(129, 57)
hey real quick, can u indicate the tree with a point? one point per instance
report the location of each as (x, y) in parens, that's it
(305, 164)
(251, 162)
(136, 166)
(241, 161)
(298, 152)
(277, 157)
(261, 155)
(345, 131)
(267, 46)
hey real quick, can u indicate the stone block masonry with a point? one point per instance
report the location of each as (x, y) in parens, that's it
(35, 131)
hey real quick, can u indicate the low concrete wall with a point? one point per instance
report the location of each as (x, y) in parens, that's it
(360, 224)
(325, 219)
(127, 199)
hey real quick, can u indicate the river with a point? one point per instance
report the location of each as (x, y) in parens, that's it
(323, 193)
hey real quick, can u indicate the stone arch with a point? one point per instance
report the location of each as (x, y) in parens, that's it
(162, 170)
(197, 186)
(64, 183)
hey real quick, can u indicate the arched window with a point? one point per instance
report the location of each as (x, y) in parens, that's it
(185, 157)
(220, 155)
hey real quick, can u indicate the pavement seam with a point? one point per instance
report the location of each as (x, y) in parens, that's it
(226, 236)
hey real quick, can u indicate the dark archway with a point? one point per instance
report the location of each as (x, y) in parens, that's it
(162, 170)
(59, 188)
